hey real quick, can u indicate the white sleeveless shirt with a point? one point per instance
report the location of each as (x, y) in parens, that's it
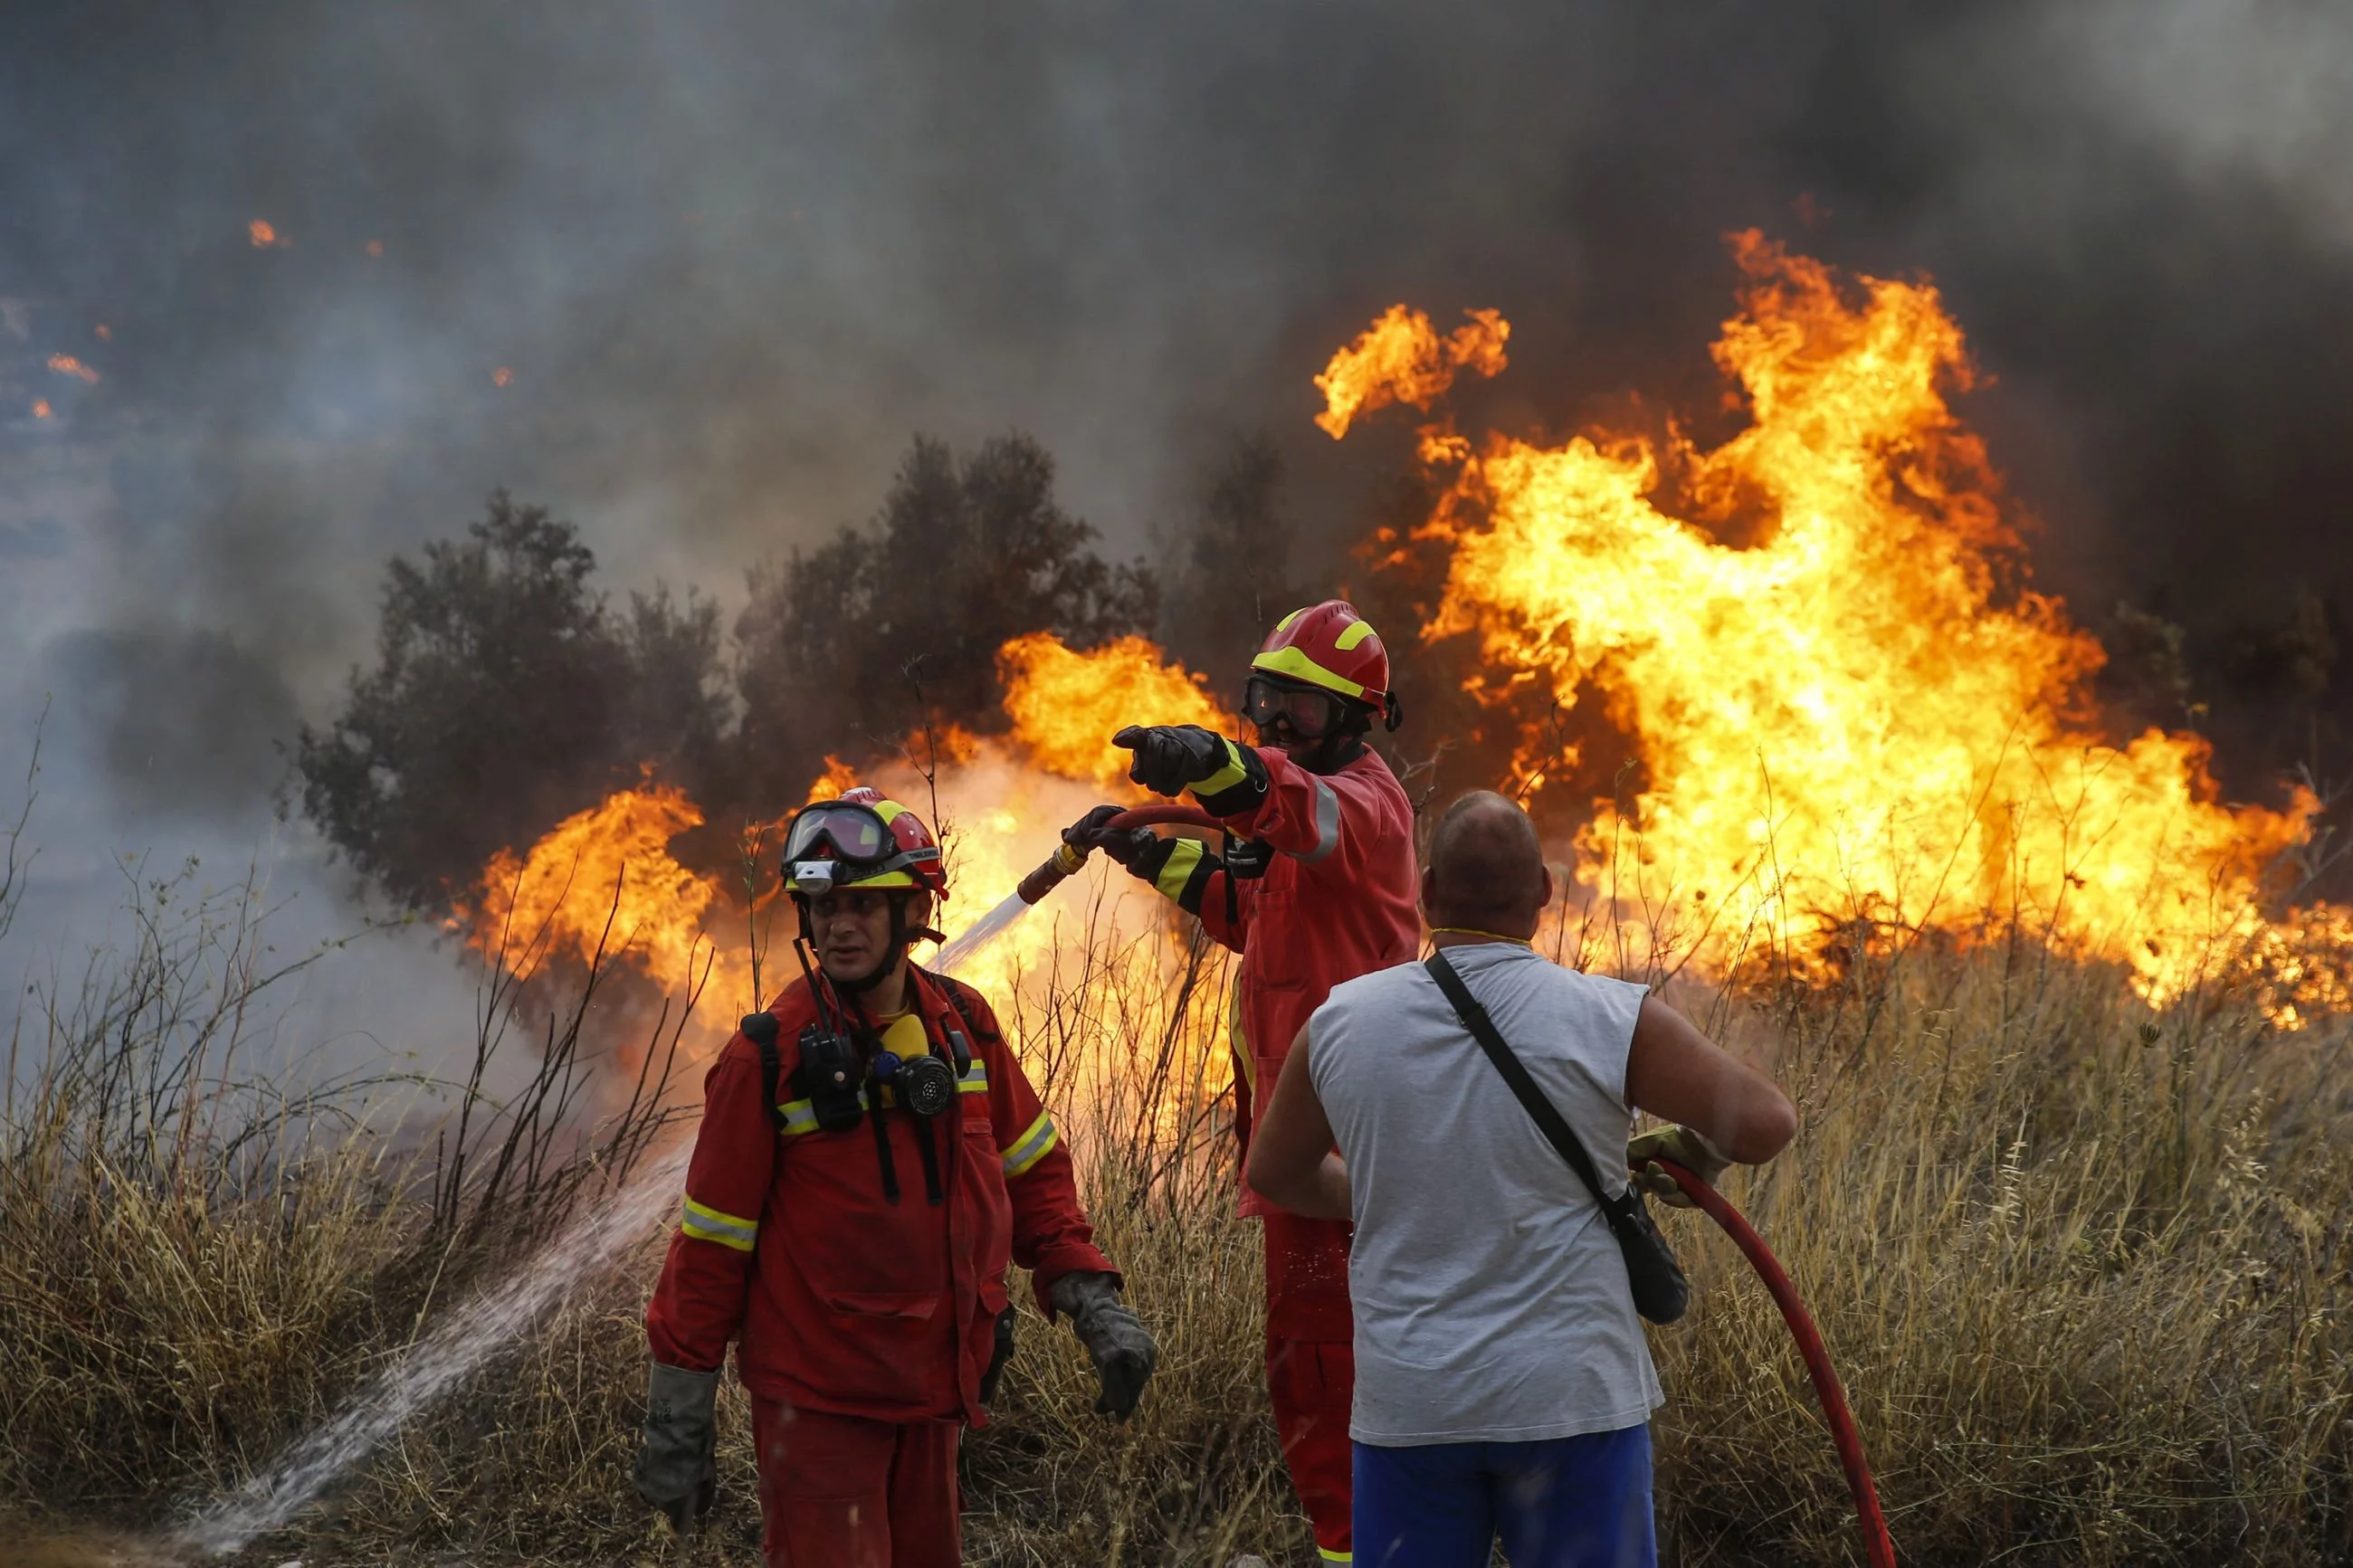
(1491, 1301)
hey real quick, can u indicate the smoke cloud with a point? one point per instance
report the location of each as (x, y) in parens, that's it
(693, 277)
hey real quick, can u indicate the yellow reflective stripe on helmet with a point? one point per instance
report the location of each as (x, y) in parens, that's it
(1295, 664)
(1225, 778)
(1352, 633)
(1288, 620)
(1178, 869)
(708, 1225)
(1031, 1146)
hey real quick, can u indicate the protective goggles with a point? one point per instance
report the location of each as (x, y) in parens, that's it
(838, 842)
(1311, 713)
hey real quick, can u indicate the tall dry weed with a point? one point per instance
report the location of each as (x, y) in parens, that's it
(2082, 1267)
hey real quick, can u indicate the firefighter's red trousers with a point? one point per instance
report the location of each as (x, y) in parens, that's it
(839, 1491)
(1311, 1367)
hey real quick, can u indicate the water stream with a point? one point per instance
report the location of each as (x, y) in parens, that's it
(456, 1346)
(979, 934)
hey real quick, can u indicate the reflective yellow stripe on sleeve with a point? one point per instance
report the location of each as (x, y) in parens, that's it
(1178, 869)
(705, 1224)
(1326, 1552)
(1031, 1146)
(1225, 778)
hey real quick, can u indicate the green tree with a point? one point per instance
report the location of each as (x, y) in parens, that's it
(506, 696)
(1230, 566)
(834, 644)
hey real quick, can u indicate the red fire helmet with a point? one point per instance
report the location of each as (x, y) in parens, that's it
(1332, 646)
(866, 841)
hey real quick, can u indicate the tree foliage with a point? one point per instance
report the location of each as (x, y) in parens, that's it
(506, 695)
(1229, 567)
(845, 647)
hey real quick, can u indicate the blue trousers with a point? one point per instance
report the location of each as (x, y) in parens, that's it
(1571, 1502)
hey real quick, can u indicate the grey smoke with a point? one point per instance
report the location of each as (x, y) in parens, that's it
(732, 255)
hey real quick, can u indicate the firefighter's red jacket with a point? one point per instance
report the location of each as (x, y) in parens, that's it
(839, 1300)
(1339, 899)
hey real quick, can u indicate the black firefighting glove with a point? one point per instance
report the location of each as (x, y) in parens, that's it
(1087, 833)
(676, 1471)
(1173, 758)
(1123, 1351)
(1686, 1148)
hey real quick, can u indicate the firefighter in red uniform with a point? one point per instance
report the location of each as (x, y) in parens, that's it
(870, 1158)
(1319, 887)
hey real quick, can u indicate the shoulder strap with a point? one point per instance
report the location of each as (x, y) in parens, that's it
(760, 1029)
(1474, 1017)
(960, 1048)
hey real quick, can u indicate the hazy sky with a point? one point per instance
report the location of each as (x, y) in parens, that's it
(728, 257)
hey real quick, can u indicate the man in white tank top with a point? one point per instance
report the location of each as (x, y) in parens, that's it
(1503, 1387)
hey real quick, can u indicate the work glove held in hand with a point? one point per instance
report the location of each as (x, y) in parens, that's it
(1172, 758)
(1686, 1148)
(1116, 1340)
(675, 1471)
(1087, 833)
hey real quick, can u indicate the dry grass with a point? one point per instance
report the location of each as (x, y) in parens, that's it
(2082, 1267)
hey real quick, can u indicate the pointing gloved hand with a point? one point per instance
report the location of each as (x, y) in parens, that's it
(1087, 833)
(1686, 1148)
(1123, 1351)
(675, 1471)
(1172, 758)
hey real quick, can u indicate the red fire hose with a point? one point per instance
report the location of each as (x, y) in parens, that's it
(1877, 1547)
(1059, 866)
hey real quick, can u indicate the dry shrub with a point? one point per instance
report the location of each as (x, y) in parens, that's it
(2083, 1269)
(2081, 1266)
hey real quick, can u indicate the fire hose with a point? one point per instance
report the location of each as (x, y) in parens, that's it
(1877, 1548)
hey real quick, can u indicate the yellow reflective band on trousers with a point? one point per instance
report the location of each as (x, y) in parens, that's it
(1225, 778)
(704, 1224)
(1031, 1146)
(1178, 869)
(800, 1116)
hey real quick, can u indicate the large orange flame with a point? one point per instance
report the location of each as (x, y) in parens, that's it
(605, 880)
(1400, 358)
(1065, 705)
(1844, 720)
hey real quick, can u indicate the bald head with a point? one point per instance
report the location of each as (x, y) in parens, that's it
(1486, 869)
